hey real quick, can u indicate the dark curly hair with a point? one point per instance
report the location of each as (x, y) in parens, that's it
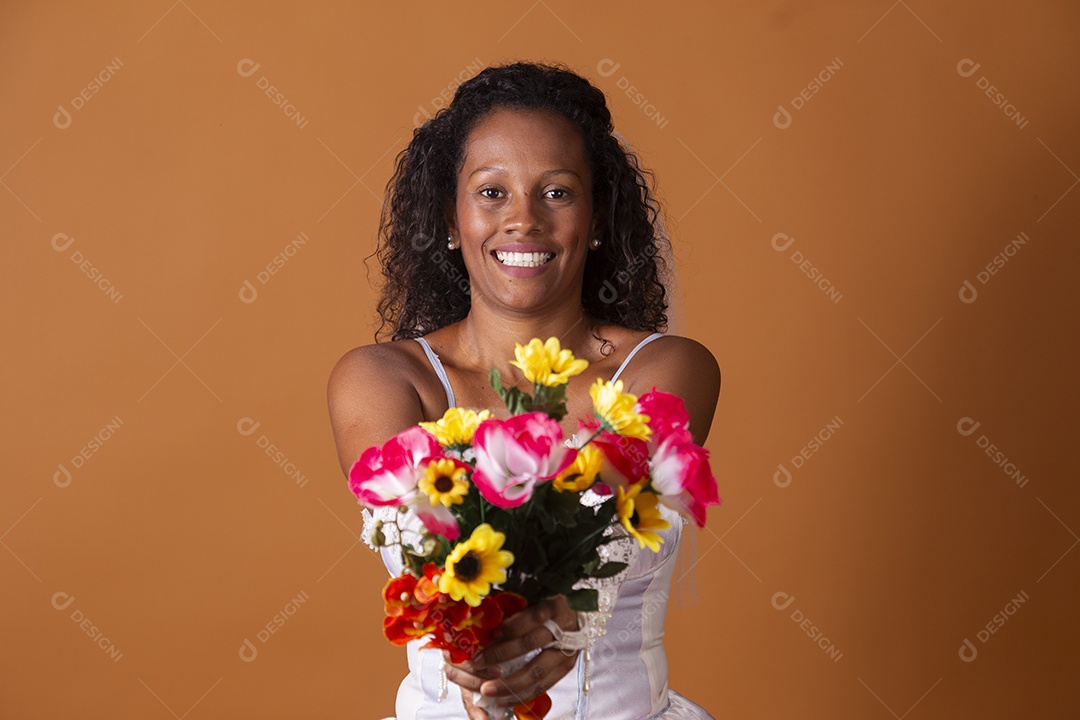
(426, 287)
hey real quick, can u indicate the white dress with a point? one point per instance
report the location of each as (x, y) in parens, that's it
(627, 666)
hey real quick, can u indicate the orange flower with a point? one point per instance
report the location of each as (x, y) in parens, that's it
(487, 616)
(427, 587)
(398, 594)
(464, 630)
(535, 709)
(399, 630)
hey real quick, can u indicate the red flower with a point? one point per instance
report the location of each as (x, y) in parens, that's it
(626, 459)
(667, 416)
(427, 587)
(462, 644)
(484, 617)
(398, 594)
(535, 709)
(511, 603)
(682, 478)
(399, 629)
(388, 475)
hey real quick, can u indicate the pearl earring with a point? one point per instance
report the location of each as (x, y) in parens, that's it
(450, 243)
(594, 243)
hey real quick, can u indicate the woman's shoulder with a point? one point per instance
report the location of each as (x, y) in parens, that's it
(379, 365)
(373, 392)
(376, 356)
(681, 366)
(687, 350)
(654, 348)
(677, 358)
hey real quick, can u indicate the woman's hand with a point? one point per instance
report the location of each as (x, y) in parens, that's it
(520, 634)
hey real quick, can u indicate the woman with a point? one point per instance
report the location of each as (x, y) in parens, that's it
(515, 213)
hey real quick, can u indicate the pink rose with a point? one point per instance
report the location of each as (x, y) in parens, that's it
(626, 460)
(682, 478)
(513, 455)
(667, 416)
(437, 518)
(388, 475)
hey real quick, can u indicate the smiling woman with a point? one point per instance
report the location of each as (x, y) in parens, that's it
(552, 223)
(524, 212)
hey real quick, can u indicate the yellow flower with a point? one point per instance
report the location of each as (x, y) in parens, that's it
(581, 473)
(474, 565)
(457, 426)
(444, 481)
(616, 410)
(547, 363)
(639, 513)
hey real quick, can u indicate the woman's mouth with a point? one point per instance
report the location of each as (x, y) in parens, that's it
(523, 259)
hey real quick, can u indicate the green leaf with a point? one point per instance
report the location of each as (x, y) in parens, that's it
(548, 523)
(565, 505)
(608, 569)
(583, 600)
(531, 590)
(415, 563)
(552, 400)
(516, 401)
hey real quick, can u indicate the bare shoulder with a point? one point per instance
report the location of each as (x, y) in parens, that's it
(371, 395)
(373, 358)
(687, 351)
(673, 361)
(680, 366)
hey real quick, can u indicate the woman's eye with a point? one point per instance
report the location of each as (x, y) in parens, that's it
(557, 194)
(490, 193)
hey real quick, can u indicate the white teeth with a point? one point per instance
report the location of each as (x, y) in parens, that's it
(516, 259)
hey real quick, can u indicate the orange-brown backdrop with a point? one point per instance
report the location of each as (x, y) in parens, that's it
(873, 206)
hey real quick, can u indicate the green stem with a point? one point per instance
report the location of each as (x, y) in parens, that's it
(573, 551)
(591, 437)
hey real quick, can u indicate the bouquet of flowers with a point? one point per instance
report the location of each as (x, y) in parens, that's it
(500, 505)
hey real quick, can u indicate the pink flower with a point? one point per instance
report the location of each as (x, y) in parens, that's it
(388, 475)
(667, 416)
(513, 455)
(626, 460)
(437, 518)
(682, 477)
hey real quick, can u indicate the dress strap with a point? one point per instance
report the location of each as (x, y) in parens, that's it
(633, 352)
(439, 370)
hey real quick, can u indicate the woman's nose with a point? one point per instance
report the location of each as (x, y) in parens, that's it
(523, 215)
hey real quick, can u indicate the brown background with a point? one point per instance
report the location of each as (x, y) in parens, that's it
(180, 180)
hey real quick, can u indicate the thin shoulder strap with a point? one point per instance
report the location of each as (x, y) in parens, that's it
(439, 370)
(633, 352)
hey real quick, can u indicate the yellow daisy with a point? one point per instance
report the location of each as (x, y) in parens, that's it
(474, 565)
(444, 481)
(456, 426)
(615, 409)
(581, 473)
(639, 513)
(547, 363)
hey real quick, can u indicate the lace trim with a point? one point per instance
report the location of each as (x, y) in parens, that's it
(412, 529)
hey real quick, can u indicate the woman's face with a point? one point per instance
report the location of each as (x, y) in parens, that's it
(524, 211)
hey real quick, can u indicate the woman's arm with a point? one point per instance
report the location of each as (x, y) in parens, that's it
(371, 398)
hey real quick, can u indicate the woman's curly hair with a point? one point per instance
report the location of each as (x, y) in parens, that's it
(426, 286)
